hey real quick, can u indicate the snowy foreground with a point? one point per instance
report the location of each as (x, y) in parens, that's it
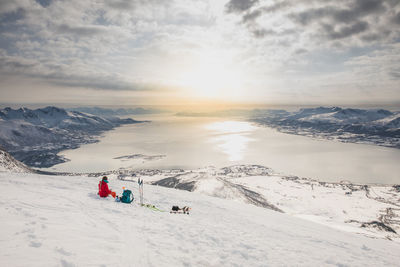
(372, 210)
(60, 221)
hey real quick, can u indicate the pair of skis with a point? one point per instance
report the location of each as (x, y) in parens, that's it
(150, 206)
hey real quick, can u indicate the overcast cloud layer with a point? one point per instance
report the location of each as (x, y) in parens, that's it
(304, 51)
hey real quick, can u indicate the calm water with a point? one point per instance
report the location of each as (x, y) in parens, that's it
(197, 142)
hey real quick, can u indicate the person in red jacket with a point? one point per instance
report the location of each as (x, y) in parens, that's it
(103, 188)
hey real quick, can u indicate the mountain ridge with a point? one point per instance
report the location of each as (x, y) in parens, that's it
(36, 136)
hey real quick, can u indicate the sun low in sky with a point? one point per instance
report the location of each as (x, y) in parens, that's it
(211, 76)
(134, 52)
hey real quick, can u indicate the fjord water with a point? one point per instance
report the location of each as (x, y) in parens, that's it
(190, 143)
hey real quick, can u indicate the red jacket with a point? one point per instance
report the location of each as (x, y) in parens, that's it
(103, 189)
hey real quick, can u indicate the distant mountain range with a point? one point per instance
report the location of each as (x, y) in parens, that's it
(117, 112)
(36, 136)
(374, 126)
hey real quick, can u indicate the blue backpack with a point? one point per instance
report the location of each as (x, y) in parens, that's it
(127, 196)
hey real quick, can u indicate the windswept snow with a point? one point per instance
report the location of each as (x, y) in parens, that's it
(60, 221)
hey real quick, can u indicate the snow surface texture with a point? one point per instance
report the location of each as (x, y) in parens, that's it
(370, 210)
(60, 221)
(36, 136)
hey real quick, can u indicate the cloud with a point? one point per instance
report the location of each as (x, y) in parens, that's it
(92, 44)
(238, 6)
(44, 3)
(132, 4)
(300, 51)
(13, 6)
(121, 4)
(249, 17)
(81, 31)
(147, 45)
(66, 75)
(396, 18)
(345, 31)
(355, 10)
(13, 64)
(321, 22)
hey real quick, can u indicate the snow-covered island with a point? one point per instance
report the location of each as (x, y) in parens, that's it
(36, 136)
(240, 216)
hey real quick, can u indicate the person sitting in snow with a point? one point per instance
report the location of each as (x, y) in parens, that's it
(103, 188)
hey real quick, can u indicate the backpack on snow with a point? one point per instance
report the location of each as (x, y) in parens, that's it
(127, 196)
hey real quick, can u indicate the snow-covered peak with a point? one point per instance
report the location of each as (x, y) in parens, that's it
(342, 116)
(305, 112)
(392, 121)
(55, 117)
(36, 136)
(45, 116)
(9, 164)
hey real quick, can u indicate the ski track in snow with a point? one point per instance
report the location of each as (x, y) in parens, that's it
(60, 221)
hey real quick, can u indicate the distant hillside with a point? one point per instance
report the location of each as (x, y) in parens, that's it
(36, 136)
(375, 126)
(117, 112)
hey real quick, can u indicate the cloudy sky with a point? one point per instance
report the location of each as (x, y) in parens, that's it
(169, 51)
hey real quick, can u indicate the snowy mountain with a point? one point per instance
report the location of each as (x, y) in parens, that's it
(36, 136)
(9, 164)
(107, 112)
(376, 126)
(61, 221)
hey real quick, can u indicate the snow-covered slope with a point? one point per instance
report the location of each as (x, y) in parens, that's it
(9, 164)
(36, 136)
(371, 210)
(60, 221)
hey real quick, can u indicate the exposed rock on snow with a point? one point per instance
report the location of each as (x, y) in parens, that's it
(173, 182)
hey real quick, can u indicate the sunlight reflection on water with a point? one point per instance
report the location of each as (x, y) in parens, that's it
(231, 137)
(189, 143)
